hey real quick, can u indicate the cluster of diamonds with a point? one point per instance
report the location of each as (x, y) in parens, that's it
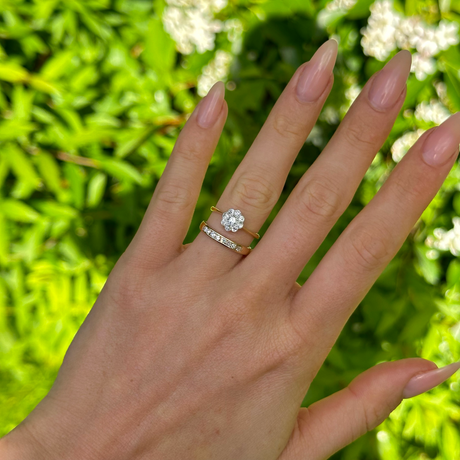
(221, 239)
(232, 220)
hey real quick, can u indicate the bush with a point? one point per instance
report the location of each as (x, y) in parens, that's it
(93, 96)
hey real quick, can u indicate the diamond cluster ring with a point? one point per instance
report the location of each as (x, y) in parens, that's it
(233, 220)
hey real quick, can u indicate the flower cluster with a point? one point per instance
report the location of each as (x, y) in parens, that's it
(404, 143)
(217, 69)
(434, 111)
(336, 5)
(191, 23)
(388, 29)
(446, 240)
(430, 112)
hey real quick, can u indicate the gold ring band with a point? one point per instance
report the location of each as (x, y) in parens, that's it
(253, 234)
(216, 236)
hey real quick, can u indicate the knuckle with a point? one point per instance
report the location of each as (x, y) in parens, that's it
(321, 198)
(190, 151)
(174, 194)
(409, 187)
(359, 134)
(255, 191)
(287, 127)
(368, 248)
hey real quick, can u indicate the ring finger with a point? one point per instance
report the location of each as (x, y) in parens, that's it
(259, 179)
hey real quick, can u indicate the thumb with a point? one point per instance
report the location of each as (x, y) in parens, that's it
(334, 422)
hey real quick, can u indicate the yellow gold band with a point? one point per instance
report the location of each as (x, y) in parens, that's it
(216, 236)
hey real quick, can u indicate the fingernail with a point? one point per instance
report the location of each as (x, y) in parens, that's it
(428, 380)
(390, 81)
(211, 105)
(315, 75)
(442, 143)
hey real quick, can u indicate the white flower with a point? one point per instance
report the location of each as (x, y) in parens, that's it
(404, 143)
(234, 29)
(191, 23)
(441, 90)
(447, 34)
(316, 136)
(216, 70)
(352, 92)
(422, 66)
(446, 240)
(433, 111)
(330, 115)
(379, 37)
(388, 30)
(340, 5)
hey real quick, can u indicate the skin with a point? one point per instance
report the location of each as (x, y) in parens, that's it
(196, 352)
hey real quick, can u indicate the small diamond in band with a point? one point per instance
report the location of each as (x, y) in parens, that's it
(243, 250)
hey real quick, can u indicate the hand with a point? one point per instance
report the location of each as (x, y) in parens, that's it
(198, 352)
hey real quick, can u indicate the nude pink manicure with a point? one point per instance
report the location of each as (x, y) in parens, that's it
(428, 380)
(389, 83)
(211, 105)
(442, 143)
(315, 76)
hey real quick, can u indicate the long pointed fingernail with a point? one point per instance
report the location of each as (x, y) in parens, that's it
(442, 143)
(315, 75)
(428, 380)
(390, 81)
(211, 105)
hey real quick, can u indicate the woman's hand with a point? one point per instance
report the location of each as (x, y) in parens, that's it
(198, 352)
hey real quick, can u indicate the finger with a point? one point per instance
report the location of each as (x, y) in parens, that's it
(372, 239)
(334, 422)
(169, 213)
(327, 188)
(259, 179)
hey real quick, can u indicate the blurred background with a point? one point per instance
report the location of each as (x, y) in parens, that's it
(93, 94)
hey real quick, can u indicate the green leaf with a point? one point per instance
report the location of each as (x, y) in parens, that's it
(21, 165)
(133, 141)
(49, 170)
(55, 210)
(12, 129)
(453, 274)
(18, 211)
(159, 52)
(44, 85)
(121, 170)
(96, 189)
(57, 66)
(10, 71)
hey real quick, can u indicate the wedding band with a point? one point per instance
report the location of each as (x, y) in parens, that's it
(232, 221)
(216, 236)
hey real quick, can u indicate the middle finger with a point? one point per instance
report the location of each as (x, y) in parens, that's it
(326, 189)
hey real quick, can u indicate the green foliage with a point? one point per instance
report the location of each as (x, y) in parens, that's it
(93, 95)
